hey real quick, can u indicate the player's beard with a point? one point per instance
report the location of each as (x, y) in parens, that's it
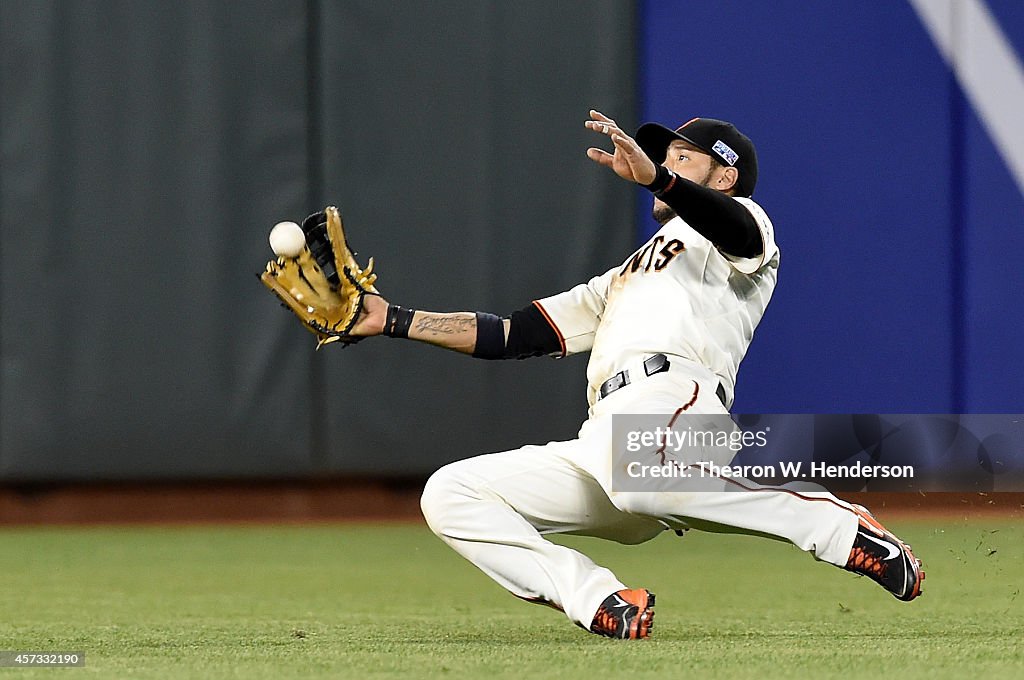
(662, 213)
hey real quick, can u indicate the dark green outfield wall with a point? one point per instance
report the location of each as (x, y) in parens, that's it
(146, 148)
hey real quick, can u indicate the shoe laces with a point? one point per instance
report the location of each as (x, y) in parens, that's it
(609, 621)
(864, 562)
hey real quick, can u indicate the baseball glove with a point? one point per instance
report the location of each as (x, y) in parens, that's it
(324, 285)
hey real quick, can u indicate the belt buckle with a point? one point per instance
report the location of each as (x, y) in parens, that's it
(656, 363)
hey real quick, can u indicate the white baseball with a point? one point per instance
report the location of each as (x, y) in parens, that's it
(287, 239)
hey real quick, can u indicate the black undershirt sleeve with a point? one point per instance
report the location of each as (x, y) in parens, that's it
(530, 335)
(714, 215)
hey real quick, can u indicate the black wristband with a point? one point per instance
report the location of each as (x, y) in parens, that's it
(663, 181)
(398, 321)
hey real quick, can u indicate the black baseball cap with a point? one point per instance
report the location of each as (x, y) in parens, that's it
(719, 139)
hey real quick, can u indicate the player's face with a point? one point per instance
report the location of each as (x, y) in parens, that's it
(689, 162)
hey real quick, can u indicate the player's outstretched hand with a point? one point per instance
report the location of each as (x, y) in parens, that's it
(371, 317)
(628, 160)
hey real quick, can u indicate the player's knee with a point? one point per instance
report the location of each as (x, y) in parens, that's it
(441, 493)
(433, 497)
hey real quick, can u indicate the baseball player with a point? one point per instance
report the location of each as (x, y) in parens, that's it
(666, 331)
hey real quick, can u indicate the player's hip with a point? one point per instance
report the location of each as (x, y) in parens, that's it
(653, 385)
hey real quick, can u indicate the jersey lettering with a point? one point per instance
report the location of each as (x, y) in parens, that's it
(665, 254)
(636, 261)
(668, 253)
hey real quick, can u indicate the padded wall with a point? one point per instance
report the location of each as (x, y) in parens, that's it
(147, 148)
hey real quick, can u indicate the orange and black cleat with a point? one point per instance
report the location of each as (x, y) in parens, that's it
(882, 557)
(626, 615)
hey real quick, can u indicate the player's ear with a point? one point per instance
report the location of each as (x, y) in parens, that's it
(727, 179)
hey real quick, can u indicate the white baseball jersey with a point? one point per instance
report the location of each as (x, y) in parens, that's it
(678, 295)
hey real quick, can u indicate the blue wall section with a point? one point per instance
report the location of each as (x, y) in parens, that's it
(897, 219)
(994, 281)
(993, 219)
(1010, 16)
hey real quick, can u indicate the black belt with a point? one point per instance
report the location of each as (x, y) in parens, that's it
(657, 363)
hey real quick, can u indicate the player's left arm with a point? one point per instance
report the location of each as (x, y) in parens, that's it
(716, 216)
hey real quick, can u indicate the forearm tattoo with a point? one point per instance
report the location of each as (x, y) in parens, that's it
(449, 324)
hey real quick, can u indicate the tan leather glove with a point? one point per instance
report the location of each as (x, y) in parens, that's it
(324, 285)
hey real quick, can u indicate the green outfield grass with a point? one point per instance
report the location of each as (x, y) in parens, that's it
(393, 601)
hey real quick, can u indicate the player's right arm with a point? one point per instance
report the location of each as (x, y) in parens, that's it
(555, 326)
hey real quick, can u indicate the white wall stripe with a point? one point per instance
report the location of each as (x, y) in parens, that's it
(987, 68)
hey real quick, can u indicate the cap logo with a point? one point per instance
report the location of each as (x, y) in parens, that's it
(726, 152)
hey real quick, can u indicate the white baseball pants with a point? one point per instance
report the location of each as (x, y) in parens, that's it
(495, 509)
